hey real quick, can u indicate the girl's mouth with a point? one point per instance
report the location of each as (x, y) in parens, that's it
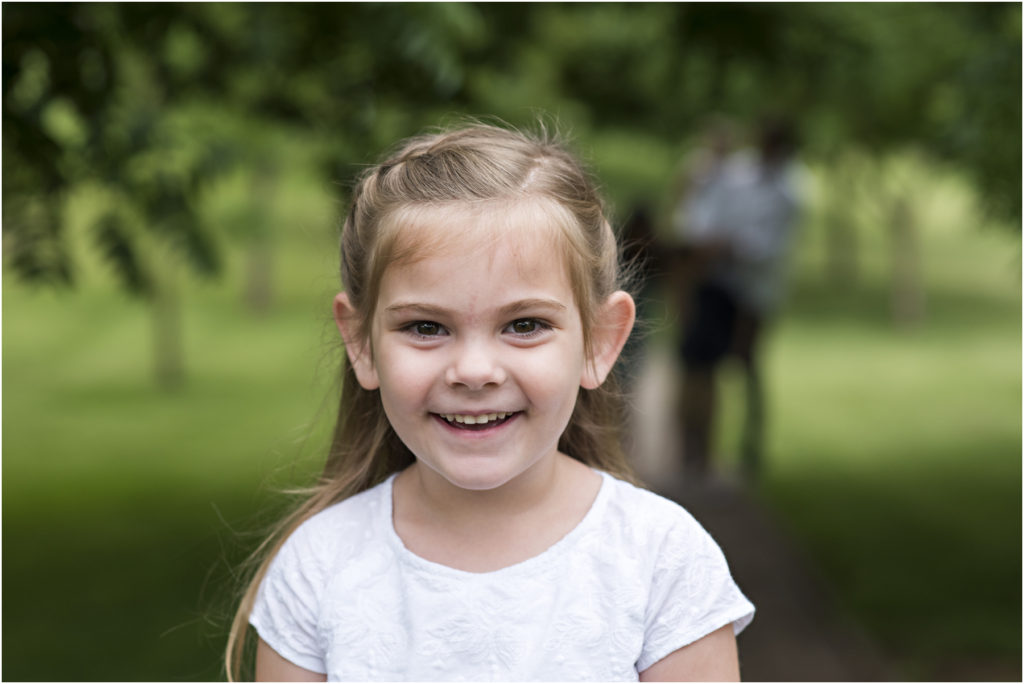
(484, 421)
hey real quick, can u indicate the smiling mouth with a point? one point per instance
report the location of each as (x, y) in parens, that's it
(479, 422)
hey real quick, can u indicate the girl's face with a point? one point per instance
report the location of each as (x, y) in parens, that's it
(477, 350)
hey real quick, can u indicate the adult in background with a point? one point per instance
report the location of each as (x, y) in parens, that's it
(735, 225)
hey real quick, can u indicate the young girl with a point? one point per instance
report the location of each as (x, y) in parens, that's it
(476, 518)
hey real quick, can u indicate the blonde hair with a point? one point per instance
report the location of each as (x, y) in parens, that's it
(473, 164)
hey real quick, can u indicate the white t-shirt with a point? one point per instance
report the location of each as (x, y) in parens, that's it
(637, 579)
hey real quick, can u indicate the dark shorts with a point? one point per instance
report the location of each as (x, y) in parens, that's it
(711, 328)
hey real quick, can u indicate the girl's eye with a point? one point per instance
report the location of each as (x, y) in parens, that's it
(527, 326)
(524, 326)
(426, 328)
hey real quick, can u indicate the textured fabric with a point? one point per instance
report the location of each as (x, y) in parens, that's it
(637, 579)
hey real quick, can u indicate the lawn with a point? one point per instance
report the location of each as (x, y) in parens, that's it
(126, 507)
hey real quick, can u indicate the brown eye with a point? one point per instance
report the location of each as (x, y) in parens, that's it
(427, 328)
(524, 326)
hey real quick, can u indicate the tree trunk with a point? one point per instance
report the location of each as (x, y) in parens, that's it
(907, 294)
(168, 350)
(259, 284)
(842, 265)
(259, 280)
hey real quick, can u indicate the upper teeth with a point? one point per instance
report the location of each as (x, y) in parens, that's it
(473, 420)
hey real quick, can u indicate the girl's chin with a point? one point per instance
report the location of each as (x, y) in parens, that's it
(486, 474)
(477, 482)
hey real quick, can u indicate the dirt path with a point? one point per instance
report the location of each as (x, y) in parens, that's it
(797, 635)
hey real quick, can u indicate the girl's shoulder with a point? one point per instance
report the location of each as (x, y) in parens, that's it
(648, 518)
(627, 496)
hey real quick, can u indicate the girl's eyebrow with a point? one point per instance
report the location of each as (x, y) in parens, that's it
(511, 309)
(532, 305)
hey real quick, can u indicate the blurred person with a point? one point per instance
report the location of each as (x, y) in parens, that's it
(736, 227)
(475, 517)
(703, 171)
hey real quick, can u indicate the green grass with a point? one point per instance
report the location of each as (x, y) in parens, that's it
(894, 455)
(121, 502)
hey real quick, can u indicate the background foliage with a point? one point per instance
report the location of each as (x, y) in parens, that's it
(174, 173)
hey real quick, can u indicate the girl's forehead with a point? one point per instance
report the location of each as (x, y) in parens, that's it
(522, 226)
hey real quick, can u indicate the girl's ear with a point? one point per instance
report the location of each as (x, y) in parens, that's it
(356, 347)
(611, 330)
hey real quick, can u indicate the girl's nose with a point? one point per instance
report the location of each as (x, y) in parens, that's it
(475, 366)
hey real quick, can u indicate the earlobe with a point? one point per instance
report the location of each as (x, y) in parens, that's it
(356, 347)
(612, 326)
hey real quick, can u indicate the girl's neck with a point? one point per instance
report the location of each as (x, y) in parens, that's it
(482, 531)
(432, 494)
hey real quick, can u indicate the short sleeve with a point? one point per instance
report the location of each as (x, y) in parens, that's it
(692, 594)
(287, 606)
